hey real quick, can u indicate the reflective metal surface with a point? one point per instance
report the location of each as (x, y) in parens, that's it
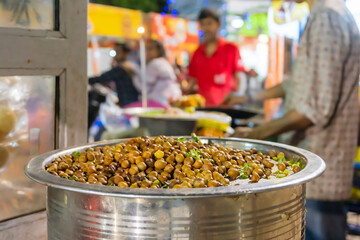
(270, 209)
(275, 214)
(31, 99)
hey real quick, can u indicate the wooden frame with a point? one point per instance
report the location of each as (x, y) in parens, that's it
(59, 53)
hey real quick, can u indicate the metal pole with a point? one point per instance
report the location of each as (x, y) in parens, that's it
(143, 72)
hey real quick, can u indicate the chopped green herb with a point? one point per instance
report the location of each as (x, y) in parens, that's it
(278, 172)
(280, 175)
(275, 158)
(72, 178)
(246, 166)
(212, 160)
(187, 154)
(110, 184)
(76, 154)
(286, 172)
(144, 180)
(244, 176)
(302, 165)
(282, 159)
(157, 182)
(194, 154)
(195, 138)
(181, 139)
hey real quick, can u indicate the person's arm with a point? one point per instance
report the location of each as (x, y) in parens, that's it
(317, 92)
(293, 120)
(193, 87)
(103, 78)
(274, 92)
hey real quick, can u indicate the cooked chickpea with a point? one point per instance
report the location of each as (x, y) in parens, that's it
(280, 155)
(281, 166)
(198, 164)
(63, 166)
(189, 161)
(90, 156)
(214, 183)
(255, 177)
(199, 183)
(233, 172)
(149, 162)
(267, 172)
(296, 168)
(141, 166)
(272, 153)
(134, 185)
(159, 154)
(267, 163)
(125, 164)
(169, 168)
(123, 184)
(179, 158)
(160, 164)
(146, 154)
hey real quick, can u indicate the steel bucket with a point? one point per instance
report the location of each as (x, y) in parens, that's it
(269, 209)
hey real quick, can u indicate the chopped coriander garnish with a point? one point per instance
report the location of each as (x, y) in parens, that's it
(195, 138)
(302, 165)
(244, 176)
(76, 154)
(286, 172)
(181, 139)
(72, 178)
(194, 154)
(281, 175)
(246, 166)
(157, 182)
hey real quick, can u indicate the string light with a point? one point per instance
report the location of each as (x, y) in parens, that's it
(141, 30)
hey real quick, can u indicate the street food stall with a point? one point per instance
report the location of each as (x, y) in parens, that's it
(160, 187)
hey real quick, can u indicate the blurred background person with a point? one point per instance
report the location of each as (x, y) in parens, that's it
(122, 74)
(162, 85)
(216, 63)
(321, 109)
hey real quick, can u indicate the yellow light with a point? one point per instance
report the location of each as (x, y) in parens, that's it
(141, 30)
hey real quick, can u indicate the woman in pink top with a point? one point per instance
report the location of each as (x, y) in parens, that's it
(162, 84)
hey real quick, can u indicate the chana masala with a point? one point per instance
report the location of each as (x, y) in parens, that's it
(165, 162)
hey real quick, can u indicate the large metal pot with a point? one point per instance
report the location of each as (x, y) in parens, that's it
(270, 209)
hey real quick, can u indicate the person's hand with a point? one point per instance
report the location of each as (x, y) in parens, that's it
(246, 132)
(231, 100)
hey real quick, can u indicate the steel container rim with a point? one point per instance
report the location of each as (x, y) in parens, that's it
(315, 166)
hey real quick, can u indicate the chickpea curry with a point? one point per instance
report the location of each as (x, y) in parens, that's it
(165, 162)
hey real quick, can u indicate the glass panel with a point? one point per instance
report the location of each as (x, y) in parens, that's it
(27, 123)
(29, 14)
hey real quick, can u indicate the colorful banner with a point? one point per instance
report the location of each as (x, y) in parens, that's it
(113, 21)
(289, 11)
(180, 36)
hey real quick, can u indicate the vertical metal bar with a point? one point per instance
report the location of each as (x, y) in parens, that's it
(143, 72)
